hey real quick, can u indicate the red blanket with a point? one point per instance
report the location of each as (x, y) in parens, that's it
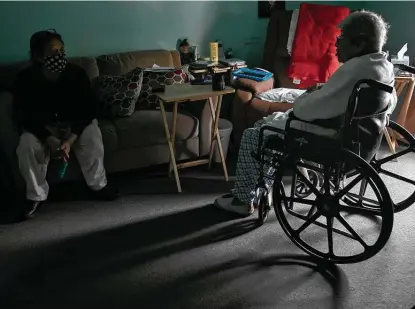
(313, 55)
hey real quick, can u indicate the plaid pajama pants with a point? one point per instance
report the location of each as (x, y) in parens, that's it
(248, 168)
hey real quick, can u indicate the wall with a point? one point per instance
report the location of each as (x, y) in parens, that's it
(94, 28)
(400, 15)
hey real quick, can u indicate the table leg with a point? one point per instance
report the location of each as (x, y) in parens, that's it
(399, 89)
(406, 102)
(171, 150)
(216, 135)
(173, 133)
(212, 131)
(391, 143)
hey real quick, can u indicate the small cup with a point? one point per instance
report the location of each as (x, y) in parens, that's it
(218, 82)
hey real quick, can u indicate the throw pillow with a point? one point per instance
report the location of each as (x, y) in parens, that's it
(148, 99)
(118, 95)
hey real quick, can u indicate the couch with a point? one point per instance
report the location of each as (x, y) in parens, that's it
(132, 142)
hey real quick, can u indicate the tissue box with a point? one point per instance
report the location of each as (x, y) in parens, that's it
(396, 60)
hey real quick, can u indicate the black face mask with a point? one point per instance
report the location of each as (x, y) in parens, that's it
(56, 63)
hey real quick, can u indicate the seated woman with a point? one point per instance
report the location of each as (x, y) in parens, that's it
(359, 48)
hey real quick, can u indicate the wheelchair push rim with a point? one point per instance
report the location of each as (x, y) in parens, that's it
(328, 206)
(406, 146)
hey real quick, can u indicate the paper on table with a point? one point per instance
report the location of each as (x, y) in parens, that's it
(402, 51)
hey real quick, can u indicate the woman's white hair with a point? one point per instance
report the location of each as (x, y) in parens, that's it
(367, 25)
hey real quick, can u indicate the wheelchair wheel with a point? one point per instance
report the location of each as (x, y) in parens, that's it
(322, 228)
(263, 206)
(393, 168)
(302, 190)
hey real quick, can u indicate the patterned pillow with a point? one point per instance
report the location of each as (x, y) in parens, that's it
(118, 95)
(147, 99)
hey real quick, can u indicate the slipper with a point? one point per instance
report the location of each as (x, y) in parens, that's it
(230, 203)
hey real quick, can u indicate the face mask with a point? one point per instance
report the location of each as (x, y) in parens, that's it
(56, 63)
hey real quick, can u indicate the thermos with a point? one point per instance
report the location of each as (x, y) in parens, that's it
(214, 52)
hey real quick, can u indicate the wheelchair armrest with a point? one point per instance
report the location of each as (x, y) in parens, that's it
(375, 84)
(292, 117)
(270, 128)
(332, 124)
(407, 68)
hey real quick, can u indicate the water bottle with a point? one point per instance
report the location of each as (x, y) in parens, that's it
(63, 168)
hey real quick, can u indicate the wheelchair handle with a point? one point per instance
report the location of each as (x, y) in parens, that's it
(375, 84)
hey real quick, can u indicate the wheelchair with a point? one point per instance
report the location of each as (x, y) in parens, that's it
(334, 177)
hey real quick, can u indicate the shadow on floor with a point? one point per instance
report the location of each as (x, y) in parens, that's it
(94, 269)
(102, 253)
(180, 293)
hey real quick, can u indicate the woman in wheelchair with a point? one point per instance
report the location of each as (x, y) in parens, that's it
(359, 49)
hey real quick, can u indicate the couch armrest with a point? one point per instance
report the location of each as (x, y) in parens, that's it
(254, 86)
(9, 136)
(246, 89)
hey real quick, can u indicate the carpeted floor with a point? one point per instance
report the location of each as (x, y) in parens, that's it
(154, 248)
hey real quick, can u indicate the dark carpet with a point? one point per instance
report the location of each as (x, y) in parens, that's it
(154, 248)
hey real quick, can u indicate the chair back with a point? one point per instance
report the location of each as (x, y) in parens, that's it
(366, 117)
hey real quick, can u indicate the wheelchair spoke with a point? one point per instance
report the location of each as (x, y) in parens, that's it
(301, 201)
(294, 184)
(355, 197)
(352, 231)
(349, 186)
(330, 235)
(308, 183)
(326, 181)
(394, 156)
(351, 174)
(361, 210)
(363, 187)
(322, 225)
(308, 222)
(396, 176)
(311, 211)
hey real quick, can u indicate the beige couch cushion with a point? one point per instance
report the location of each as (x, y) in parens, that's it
(89, 64)
(117, 64)
(145, 128)
(114, 64)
